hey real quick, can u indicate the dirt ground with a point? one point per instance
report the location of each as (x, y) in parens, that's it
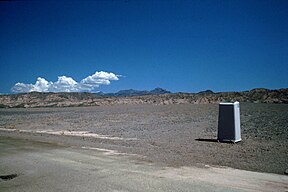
(170, 135)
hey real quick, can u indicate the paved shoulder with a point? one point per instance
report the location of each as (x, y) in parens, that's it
(33, 166)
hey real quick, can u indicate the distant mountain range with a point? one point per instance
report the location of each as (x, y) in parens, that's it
(156, 96)
(132, 92)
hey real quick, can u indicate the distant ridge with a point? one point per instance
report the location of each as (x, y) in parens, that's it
(132, 92)
(159, 91)
(156, 96)
(208, 91)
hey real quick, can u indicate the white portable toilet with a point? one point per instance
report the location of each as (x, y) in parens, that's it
(229, 122)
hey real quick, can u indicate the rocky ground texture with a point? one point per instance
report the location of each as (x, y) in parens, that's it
(170, 135)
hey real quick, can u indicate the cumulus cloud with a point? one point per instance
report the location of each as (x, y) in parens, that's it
(21, 88)
(64, 84)
(67, 84)
(41, 85)
(105, 75)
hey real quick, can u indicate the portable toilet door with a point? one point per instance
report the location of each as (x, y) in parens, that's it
(229, 122)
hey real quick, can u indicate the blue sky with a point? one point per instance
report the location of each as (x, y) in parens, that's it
(185, 46)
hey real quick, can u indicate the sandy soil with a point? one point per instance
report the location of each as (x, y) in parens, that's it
(170, 135)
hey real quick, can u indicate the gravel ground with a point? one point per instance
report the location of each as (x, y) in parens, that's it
(170, 135)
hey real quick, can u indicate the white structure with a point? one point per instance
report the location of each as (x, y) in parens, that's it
(229, 122)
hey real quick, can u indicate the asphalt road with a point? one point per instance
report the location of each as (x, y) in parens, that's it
(35, 166)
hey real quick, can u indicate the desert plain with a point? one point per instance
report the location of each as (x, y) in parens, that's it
(175, 136)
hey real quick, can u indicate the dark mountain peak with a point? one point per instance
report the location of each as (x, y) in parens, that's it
(208, 91)
(158, 91)
(131, 92)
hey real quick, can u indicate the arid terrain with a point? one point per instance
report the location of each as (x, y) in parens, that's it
(158, 97)
(171, 135)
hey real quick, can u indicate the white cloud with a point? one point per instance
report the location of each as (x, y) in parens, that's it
(64, 84)
(41, 85)
(21, 87)
(90, 81)
(99, 78)
(67, 84)
(105, 75)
